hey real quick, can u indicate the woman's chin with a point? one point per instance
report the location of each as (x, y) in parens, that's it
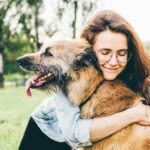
(110, 77)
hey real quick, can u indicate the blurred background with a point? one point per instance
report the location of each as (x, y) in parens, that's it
(24, 25)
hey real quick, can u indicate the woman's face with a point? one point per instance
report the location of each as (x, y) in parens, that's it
(112, 51)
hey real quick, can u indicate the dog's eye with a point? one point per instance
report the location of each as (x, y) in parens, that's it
(47, 52)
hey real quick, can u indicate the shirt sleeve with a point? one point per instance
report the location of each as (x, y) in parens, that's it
(46, 119)
(75, 129)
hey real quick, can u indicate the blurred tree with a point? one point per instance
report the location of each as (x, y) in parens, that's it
(16, 46)
(74, 8)
(30, 20)
(4, 7)
(19, 23)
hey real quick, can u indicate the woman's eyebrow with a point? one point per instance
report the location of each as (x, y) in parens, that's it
(122, 50)
(111, 49)
(104, 49)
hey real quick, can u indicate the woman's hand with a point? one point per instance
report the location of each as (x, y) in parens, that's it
(142, 113)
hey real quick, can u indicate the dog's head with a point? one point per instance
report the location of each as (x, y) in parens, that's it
(58, 63)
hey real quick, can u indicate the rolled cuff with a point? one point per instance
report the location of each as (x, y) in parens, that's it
(81, 133)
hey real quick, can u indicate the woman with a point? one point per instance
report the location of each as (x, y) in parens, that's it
(121, 55)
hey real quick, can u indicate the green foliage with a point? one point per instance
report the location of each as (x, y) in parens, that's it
(17, 46)
(33, 2)
(75, 9)
(14, 42)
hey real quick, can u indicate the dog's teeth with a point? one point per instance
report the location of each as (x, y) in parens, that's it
(33, 82)
(49, 74)
(45, 76)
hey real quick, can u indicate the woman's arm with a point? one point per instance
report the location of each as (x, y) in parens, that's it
(81, 131)
(105, 126)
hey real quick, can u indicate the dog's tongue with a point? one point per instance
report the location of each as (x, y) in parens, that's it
(29, 83)
(28, 92)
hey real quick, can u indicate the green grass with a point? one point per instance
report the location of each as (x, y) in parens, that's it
(15, 110)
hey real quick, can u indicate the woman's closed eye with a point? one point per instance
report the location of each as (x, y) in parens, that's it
(123, 52)
(105, 51)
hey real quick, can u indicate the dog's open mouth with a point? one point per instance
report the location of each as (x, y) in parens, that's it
(37, 81)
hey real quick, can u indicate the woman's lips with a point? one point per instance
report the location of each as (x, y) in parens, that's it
(110, 69)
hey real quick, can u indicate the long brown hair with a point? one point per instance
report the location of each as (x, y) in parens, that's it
(137, 72)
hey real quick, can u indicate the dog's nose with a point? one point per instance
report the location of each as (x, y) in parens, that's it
(22, 60)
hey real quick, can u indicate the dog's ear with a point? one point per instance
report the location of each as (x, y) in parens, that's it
(88, 58)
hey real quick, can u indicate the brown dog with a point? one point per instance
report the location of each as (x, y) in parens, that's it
(73, 67)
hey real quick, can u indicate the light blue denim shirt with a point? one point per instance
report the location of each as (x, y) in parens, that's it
(61, 121)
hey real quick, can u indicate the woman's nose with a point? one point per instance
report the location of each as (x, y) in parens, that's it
(113, 60)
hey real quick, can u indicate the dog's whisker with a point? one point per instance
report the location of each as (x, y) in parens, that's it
(42, 68)
(48, 91)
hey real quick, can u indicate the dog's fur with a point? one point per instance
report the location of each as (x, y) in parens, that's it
(75, 70)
